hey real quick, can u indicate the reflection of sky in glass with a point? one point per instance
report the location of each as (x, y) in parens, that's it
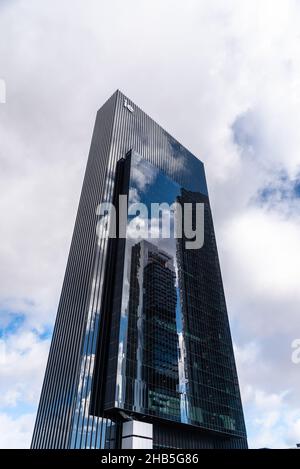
(174, 355)
(188, 375)
(150, 185)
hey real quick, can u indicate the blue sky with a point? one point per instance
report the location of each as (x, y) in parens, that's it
(223, 77)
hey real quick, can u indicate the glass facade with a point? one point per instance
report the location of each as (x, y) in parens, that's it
(142, 329)
(173, 357)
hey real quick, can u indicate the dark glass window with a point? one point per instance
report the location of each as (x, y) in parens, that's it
(174, 354)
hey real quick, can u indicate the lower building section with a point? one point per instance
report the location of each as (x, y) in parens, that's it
(137, 435)
(170, 436)
(160, 435)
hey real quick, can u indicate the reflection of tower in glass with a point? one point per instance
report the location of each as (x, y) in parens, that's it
(213, 392)
(152, 341)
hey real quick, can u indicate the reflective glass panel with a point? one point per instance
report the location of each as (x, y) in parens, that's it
(175, 357)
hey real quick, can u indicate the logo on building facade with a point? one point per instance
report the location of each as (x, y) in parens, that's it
(128, 106)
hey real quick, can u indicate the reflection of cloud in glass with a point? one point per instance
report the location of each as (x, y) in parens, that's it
(140, 177)
(138, 228)
(134, 196)
(148, 185)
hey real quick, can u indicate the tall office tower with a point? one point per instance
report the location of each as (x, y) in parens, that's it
(141, 354)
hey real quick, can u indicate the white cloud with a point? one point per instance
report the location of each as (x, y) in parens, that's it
(262, 258)
(272, 422)
(23, 362)
(16, 432)
(22, 367)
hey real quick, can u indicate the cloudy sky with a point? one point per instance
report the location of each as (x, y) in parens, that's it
(222, 76)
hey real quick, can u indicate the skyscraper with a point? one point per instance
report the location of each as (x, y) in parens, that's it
(141, 354)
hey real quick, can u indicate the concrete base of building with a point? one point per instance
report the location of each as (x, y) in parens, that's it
(137, 435)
